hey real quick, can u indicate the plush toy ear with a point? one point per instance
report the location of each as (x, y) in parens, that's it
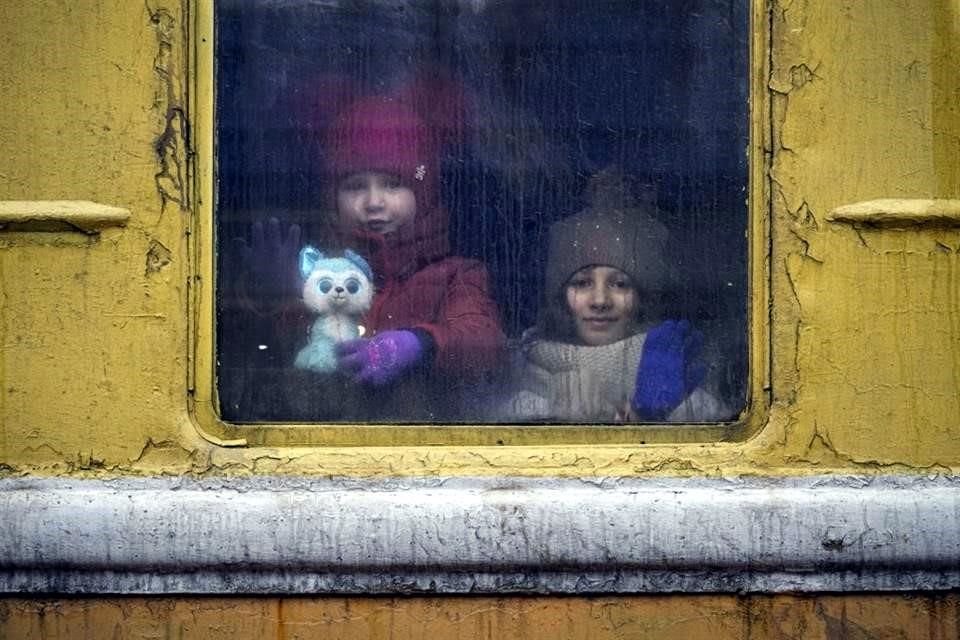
(359, 262)
(309, 257)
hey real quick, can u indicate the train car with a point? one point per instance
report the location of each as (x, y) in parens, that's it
(169, 470)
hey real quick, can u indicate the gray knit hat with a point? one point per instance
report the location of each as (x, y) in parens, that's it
(614, 231)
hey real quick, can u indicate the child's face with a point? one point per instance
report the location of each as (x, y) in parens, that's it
(603, 303)
(374, 201)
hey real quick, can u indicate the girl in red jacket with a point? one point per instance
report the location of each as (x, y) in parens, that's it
(432, 330)
(432, 312)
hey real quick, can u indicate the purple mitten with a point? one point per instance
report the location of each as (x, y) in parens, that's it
(381, 359)
(670, 369)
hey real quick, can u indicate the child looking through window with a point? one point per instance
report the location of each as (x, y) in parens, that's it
(596, 354)
(433, 327)
(430, 309)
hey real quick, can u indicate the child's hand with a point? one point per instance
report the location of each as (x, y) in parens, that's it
(268, 266)
(381, 359)
(670, 369)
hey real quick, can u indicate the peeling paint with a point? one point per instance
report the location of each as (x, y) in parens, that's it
(170, 154)
(801, 74)
(172, 144)
(829, 408)
(865, 333)
(158, 257)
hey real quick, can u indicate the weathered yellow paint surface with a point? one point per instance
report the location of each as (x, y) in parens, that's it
(865, 324)
(926, 617)
(93, 327)
(864, 345)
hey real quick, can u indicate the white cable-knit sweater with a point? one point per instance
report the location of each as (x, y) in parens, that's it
(560, 381)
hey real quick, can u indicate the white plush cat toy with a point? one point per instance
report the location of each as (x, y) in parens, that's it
(339, 290)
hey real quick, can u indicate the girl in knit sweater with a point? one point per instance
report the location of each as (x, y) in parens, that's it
(595, 355)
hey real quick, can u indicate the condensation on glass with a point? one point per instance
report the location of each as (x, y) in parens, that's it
(492, 122)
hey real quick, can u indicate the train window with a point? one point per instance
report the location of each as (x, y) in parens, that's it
(495, 212)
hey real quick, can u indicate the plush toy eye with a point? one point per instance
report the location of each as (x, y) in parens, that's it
(353, 285)
(324, 285)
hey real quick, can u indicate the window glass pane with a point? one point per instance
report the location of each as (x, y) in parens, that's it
(481, 211)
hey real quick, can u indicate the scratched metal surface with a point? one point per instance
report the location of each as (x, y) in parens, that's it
(479, 535)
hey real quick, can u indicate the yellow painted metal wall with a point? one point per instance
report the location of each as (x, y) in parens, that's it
(863, 101)
(864, 344)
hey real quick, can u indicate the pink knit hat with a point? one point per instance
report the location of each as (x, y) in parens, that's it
(383, 134)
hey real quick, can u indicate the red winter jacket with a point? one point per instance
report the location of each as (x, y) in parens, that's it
(445, 297)
(418, 285)
(448, 297)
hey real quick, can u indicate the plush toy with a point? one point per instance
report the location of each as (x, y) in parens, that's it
(339, 290)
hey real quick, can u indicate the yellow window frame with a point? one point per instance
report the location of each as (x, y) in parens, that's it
(202, 383)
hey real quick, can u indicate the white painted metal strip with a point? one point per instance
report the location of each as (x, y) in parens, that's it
(291, 535)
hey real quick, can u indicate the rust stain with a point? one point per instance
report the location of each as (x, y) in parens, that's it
(831, 617)
(281, 628)
(843, 628)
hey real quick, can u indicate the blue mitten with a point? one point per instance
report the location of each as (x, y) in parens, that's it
(381, 359)
(670, 369)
